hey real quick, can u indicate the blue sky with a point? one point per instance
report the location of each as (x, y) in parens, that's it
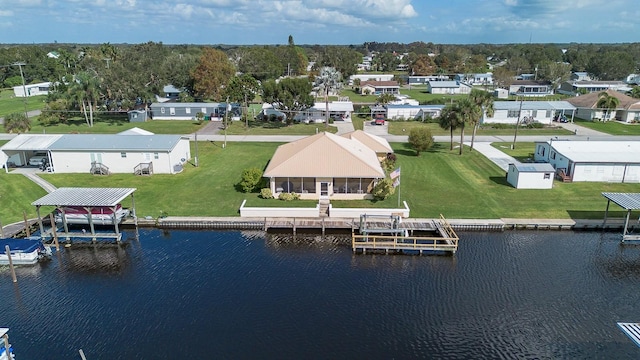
(318, 21)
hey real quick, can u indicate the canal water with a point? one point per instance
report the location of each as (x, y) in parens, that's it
(242, 295)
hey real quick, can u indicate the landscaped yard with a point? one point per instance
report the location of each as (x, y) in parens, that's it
(437, 182)
(611, 127)
(523, 151)
(10, 104)
(397, 127)
(115, 124)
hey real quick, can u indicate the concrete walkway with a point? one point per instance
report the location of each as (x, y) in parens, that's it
(496, 156)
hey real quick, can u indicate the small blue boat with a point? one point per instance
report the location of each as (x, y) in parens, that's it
(23, 251)
(4, 343)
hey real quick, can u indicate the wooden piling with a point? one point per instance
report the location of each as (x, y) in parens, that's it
(13, 270)
(26, 223)
(54, 231)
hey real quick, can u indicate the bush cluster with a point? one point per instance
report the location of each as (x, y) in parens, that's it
(266, 193)
(288, 196)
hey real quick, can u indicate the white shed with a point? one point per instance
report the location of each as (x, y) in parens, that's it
(530, 175)
(32, 89)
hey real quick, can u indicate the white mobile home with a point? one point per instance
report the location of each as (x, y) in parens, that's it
(508, 112)
(531, 175)
(32, 89)
(78, 153)
(606, 161)
(413, 112)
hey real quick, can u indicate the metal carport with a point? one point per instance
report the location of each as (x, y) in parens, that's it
(627, 201)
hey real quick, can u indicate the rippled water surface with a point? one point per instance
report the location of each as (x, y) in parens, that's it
(234, 295)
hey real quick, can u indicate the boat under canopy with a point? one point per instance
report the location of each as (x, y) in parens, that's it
(23, 251)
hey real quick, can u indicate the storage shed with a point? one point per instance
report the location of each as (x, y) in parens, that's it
(530, 175)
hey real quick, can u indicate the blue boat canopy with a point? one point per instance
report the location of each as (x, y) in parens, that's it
(19, 245)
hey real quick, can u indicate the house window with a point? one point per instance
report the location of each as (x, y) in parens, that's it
(123, 154)
(204, 110)
(553, 155)
(534, 113)
(187, 110)
(512, 113)
(162, 110)
(547, 114)
(156, 156)
(172, 111)
(547, 175)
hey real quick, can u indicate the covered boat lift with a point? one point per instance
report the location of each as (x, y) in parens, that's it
(627, 201)
(87, 198)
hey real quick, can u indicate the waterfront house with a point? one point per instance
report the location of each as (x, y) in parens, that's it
(605, 161)
(100, 153)
(530, 175)
(508, 112)
(628, 109)
(324, 166)
(376, 143)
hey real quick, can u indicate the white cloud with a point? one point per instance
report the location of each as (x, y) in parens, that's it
(6, 13)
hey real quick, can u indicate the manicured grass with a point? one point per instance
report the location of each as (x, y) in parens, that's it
(523, 151)
(397, 127)
(439, 181)
(610, 127)
(111, 125)
(10, 104)
(358, 98)
(16, 195)
(274, 128)
(358, 122)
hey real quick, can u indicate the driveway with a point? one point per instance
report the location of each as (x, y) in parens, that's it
(380, 130)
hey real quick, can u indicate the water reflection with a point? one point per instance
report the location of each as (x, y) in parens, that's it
(96, 258)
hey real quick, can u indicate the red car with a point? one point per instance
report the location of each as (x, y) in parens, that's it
(379, 120)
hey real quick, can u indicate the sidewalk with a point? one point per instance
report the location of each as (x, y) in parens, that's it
(496, 156)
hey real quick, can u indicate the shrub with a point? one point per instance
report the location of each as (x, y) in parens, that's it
(266, 193)
(250, 179)
(383, 189)
(288, 196)
(420, 139)
(388, 165)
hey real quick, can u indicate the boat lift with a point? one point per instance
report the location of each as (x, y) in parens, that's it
(629, 202)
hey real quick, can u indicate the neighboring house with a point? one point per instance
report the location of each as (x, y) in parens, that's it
(412, 112)
(580, 87)
(53, 54)
(370, 77)
(448, 87)
(508, 112)
(475, 79)
(188, 111)
(376, 143)
(423, 80)
(338, 110)
(271, 114)
(78, 153)
(628, 109)
(135, 131)
(531, 88)
(379, 87)
(531, 175)
(324, 166)
(580, 76)
(32, 89)
(526, 77)
(633, 79)
(171, 92)
(602, 161)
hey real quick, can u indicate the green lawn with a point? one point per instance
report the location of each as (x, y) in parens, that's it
(439, 181)
(10, 104)
(274, 128)
(397, 127)
(610, 127)
(111, 125)
(523, 151)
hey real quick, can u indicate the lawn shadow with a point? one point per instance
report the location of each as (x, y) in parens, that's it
(500, 180)
(582, 214)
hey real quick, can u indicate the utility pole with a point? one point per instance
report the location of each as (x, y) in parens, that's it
(226, 114)
(515, 134)
(24, 87)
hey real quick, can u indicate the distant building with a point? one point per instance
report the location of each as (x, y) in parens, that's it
(448, 87)
(531, 88)
(32, 89)
(510, 112)
(628, 109)
(188, 111)
(580, 87)
(475, 79)
(580, 76)
(370, 77)
(379, 87)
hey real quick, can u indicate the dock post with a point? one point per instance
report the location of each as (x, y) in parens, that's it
(7, 347)
(40, 222)
(294, 226)
(322, 226)
(13, 270)
(54, 231)
(26, 223)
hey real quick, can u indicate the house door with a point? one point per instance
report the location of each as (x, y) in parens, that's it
(324, 189)
(96, 157)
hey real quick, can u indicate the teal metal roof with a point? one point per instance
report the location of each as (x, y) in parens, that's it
(114, 142)
(627, 201)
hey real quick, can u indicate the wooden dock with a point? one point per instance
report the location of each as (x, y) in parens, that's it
(400, 238)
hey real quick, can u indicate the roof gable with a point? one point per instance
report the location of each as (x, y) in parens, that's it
(373, 142)
(591, 100)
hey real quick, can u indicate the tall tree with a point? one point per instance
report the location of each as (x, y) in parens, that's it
(449, 120)
(85, 91)
(607, 102)
(243, 88)
(483, 100)
(212, 74)
(289, 95)
(423, 65)
(329, 79)
(260, 62)
(469, 113)
(555, 72)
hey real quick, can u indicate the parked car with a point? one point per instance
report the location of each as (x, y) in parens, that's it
(37, 159)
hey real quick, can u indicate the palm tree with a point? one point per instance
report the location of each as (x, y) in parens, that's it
(468, 113)
(634, 92)
(449, 120)
(329, 78)
(17, 123)
(484, 100)
(84, 91)
(607, 102)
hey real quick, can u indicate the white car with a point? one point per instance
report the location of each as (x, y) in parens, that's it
(38, 158)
